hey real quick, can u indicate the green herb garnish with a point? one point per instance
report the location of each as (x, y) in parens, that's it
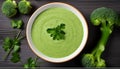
(16, 23)
(12, 46)
(15, 57)
(57, 33)
(31, 63)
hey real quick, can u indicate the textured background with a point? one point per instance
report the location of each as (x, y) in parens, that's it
(111, 53)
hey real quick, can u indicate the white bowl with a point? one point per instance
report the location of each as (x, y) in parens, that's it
(62, 5)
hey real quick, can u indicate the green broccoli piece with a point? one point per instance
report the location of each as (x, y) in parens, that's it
(9, 8)
(88, 60)
(24, 7)
(107, 19)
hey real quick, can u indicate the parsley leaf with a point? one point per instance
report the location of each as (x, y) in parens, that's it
(16, 48)
(7, 43)
(31, 63)
(57, 33)
(15, 57)
(16, 41)
(16, 23)
(12, 46)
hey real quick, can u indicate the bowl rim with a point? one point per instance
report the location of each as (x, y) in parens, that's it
(76, 52)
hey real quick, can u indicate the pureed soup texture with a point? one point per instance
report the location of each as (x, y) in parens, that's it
(57, 32)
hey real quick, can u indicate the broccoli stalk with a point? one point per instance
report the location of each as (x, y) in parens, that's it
(106, 18)
(9, 8)
(24, 7)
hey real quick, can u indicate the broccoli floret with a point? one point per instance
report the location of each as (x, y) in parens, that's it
(101, 63)
(107, 19)
(88, 60)
(104, 16)
(24, 6)
(9, 8)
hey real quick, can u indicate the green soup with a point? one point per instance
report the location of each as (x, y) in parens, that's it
(51, 18)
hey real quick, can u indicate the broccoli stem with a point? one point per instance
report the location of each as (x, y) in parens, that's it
(106, 18)
(8, 0)
(94, 59)
(106, 31)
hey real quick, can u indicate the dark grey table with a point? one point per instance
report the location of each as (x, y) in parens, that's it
(111, 53)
